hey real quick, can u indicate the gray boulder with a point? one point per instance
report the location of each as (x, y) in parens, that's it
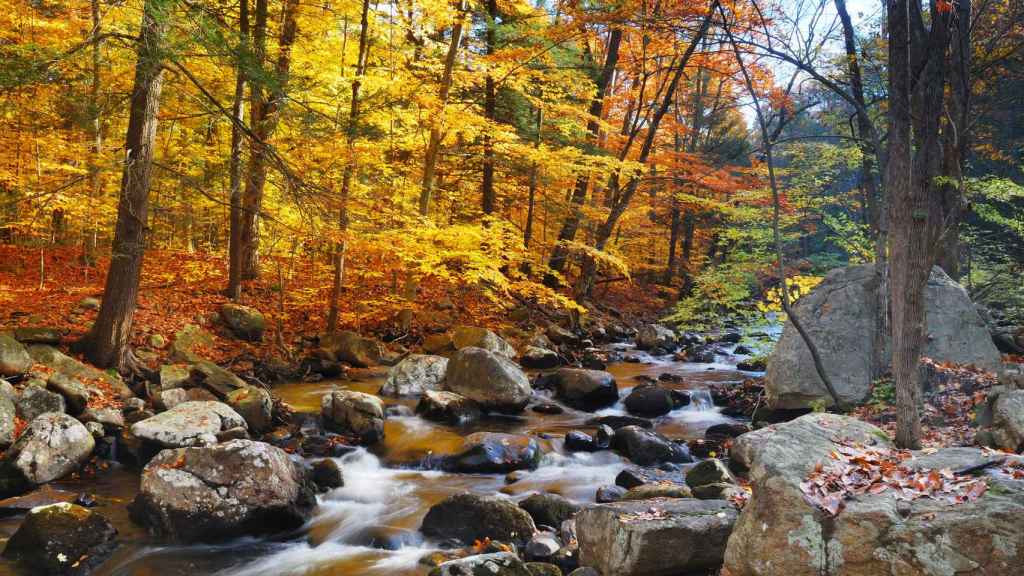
(76, 394)
(655, 336)
(218, 492)
(710, 471)
(491, 380)
(254, 405)
(586, 389)
(658, 537)
(414, 375)
(356, 413)
(35, 400)
(476, 337)
(53, 446)
(1008, 420)
(467, 518)
(447, 407)
(220, 381)
(188, 424)
(14, 358)
(839, 314)
(62, 539)
(539, 358)
(779, 532)
(245, 322)
(8, 413)
(52, 358)
(494, 564)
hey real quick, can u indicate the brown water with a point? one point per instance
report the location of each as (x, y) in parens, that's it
(383, 493)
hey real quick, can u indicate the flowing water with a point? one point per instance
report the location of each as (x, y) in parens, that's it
(369, 526)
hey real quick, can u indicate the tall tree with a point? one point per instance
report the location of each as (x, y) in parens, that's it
(108, 342)
(488, 197)
(235, 162)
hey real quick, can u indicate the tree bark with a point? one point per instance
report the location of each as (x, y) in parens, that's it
(534, 177)
(351, 134)
(488, 198)
(108, 342)
(95, 176)
(235, 163)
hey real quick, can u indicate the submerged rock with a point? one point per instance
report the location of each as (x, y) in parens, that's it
(414, 375)
(491, 380)
(585, 389)
(194, 423)
(495, 453)
(53, 446)
(659, 537)
(646, 447)
(467, 518)
(356, 413)
(495, 564)
(62, 539)
(219, 492)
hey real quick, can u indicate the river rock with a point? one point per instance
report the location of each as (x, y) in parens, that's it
(36, 400)
(543, 546)
(578, 441)
(355, 413)
(549, 509)
(52, 358)
(495, 564)
(327, 475)
(14, 358)
(654, 336)
(491, 380)
(467, 518)
(350, 347)
(539, 358)
(218, 492)
(646, 447)
(665, 490)
(616, 422)
(245, 322)
(188, 424)
(839, 314)
(609, 493)
(253, 404)
(710, 471)
(190, 343)
(585, 389)
(62, 539)
(649, 401)
(476, 337)
(414, 375)
(53, 446)
(220, 381)
(779, 532)
(543, 569)
(495, 453)
(659, 537)
(447, 407)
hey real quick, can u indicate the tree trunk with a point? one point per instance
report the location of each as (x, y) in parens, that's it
(571, 225)
(437, 124)
(534, 177)
(108, 343)
(95, 180)
(235, 163)
(264, 115)
(490, 105)
(673, 239)
(351, 133)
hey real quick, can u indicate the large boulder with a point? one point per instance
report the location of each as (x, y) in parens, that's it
(53, 446)
(188, 424)
(494, 564)
(647, 448)
(1007, 419)
(218, 492)
(62, 539)
(100, 382)
(355, 413)
(781, 532)
(657, 537)
(35, 400)
(586, 389)
(495, 453)
(476, 337)
(839, 315)
(491, 380)
(348, 346)
(255, 405)
(245, 322)
(649, 401)
(466, 518)
(654, 336)
(414, 375)
(14, 358)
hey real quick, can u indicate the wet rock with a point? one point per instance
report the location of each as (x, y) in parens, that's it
(447, 407)
(52, 358)
(594, 361)
(245, 322)
(214, 493)
(539, 358)
(606, 494)
(585, 389)
(646, 447)
(476, 337)
(547, 408)
(655, 336)
(494, 453)
(722, 431)
(496, 564)
(45, 495)
(348, 346)
(327, 475)
(218, 380)
(491, 380)
(603, 436)
(634, 538)
(549, 509)
(354, 413)
(648, 491)
(543, 546)
(649, 401)
(752, 365)
(543, 569)
(254, 405)
(189, 343)
(62, 539)
(717, 491)
(615, 422)
(576, 441)
(711, 471)
(38, 335)
(467, 518)
(8, 413)
(779, 532)
(14, 358)
(414, 375)
(36, 400)
(53, 446)
(398, 411)
(188, 424)
(76, 395)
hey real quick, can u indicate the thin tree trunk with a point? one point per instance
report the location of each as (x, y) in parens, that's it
(351, 133)
(560, 252)
(534, 177)
(490, 105)
(235, 163)
(437, 124)
(95, 180)
(673, 239)
(108, 342)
